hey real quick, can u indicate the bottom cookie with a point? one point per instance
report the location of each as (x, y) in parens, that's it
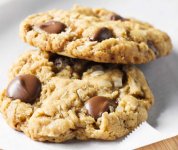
(55, 98)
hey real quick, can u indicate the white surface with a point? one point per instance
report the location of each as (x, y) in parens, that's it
(162, 74)
(146, 135)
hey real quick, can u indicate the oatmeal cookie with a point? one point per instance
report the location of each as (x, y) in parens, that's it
(55, 98)
(95, 34)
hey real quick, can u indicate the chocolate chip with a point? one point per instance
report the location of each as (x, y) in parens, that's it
(29, 28)
(102, 34)
(124, 77)
(116, 103)
(53, 27)
(113, 103)
(26, 87)
(53, 56)
(116, 17)
(139, 96)
(97, 105)
(152, 46)
(58, 63)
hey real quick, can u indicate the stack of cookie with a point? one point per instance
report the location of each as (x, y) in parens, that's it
(81, 83)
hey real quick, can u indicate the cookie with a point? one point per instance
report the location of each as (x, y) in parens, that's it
(55, 98)
(95, 34)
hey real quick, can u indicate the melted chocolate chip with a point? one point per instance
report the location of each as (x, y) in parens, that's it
(152, 46)
(26, 87)
(54, 27)
(29, 28)
(116, 17)
(58, 63)
(113, 103)
(139, 96)
(97, 105)
(102, 34)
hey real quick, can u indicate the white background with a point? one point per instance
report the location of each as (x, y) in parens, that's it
(161, 74)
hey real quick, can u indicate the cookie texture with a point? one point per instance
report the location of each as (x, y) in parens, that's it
(95, 34)
(65, 108)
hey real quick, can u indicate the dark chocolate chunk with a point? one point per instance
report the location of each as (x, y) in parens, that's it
(116, 17)
(97, 105)
(53, 27)
(102, 34)
(152, 46)
(26, 87)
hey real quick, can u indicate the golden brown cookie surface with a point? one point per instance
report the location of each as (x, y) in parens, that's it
(95, 34)
(73, 98)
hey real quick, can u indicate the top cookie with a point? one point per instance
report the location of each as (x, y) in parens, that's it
(95, 34)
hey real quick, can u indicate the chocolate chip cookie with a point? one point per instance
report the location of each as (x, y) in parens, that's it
(55, 98)
(95, 34)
